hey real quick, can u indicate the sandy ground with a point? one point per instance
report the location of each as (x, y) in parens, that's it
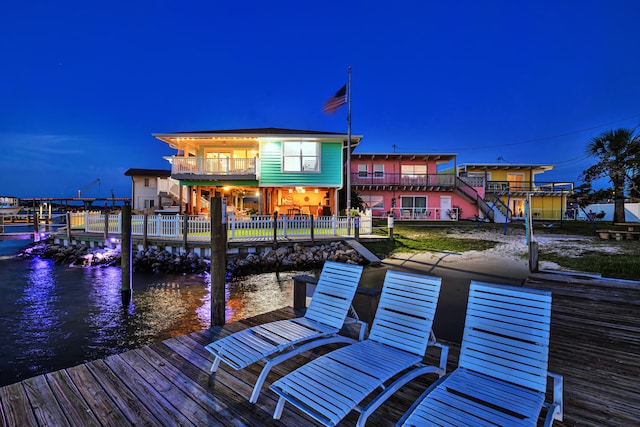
(514, 245)
(506, 263)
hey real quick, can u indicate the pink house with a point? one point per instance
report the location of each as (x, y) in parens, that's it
(411, 186)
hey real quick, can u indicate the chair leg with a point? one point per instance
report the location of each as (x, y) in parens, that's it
(215, 364)
(279, 407)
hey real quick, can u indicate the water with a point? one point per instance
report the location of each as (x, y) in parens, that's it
(53, 317)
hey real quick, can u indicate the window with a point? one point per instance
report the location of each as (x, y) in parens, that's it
(413, 207)
(363, 171)
(378, 171)
(149, 203)
(300, 156)
(146, 182)
(414, 171)
(374, 202)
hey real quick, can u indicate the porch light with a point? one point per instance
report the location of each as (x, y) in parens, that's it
(290, 190)
(315, 191)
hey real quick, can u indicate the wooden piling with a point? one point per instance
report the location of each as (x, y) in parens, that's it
(68, 215)
(218, 262)
(275, 230)
(185, 232)
(126, 250)
(145, 231)
(313, 241)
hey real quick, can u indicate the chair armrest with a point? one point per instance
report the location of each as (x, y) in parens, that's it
(555, 410)
(363, 326)
(444, 355)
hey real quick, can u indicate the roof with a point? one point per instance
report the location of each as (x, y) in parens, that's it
(503, 166)
(405, 156)
(148, 172)
(256, 132)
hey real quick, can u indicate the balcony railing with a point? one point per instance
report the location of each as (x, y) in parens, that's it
(503, 186)
(383, 178)
(207, 166)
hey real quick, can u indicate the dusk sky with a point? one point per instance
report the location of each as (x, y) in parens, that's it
(84, 84)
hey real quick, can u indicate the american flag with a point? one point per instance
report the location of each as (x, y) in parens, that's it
(336, 101)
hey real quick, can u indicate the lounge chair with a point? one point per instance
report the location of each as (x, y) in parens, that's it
(329, 387)
(280, 340)
(501, 377)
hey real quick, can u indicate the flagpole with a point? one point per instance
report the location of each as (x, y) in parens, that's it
(349, 152)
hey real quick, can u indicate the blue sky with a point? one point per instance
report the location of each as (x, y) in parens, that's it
(84, 84)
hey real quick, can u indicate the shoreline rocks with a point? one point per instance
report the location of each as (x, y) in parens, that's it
(284, 258)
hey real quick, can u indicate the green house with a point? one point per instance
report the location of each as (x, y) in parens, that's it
(258, 171)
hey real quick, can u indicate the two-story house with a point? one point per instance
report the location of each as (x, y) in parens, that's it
(410, 186)
(149, 189)
(259, 171)
(507, 186)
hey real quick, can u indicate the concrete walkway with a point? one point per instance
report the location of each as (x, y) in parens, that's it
(456, 272)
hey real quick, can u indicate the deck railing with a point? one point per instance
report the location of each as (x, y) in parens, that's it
(384, 178)
(500, 186)
(198, 227)
(207, 166)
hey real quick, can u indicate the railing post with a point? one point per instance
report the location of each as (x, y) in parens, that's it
(145, 230)
(275, 230)
(106, 228)
(185, 232)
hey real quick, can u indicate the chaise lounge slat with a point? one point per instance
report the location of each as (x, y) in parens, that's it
(501, 377)
(329, 387)
(278, 341)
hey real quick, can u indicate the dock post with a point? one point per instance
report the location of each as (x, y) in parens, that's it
(68, 215)
(218, 261)
(390, 225)
(125, 255)
(275, 230)
(185, 232)
(36, 227)
(1, 223)
(145, 231)
(106, 228)
(313, 241)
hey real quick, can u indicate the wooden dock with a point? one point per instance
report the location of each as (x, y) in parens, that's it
(595, 345)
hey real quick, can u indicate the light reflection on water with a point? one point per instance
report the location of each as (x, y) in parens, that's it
(53, 317)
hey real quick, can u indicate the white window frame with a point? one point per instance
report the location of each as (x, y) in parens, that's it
(297, 157)
(378, 170)
(363, 170)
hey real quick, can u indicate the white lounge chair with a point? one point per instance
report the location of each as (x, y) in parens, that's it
(277, 341)
(501, 377)
(329, 387)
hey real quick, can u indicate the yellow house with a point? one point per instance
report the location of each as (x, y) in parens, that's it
(507, 186)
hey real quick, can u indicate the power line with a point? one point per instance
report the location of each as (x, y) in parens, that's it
(546, 138)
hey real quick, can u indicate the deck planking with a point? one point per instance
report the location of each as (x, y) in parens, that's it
(595, 340)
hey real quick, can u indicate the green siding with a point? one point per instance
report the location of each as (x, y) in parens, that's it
(330, 166)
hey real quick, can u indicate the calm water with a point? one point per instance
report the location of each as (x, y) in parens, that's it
(52, 317)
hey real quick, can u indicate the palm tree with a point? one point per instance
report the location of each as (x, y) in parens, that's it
(618, 153)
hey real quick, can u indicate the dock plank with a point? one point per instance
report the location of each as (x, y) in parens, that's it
(16, 409)
(133, 409)
(71, 401)
(155, 401)
(96, 397)
(43, 402)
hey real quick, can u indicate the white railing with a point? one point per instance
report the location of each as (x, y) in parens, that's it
(207, 166)
(198, 227)
(428, 214)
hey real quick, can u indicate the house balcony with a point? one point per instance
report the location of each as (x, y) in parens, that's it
(208, 169)
(393, 181)
(525, 187)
